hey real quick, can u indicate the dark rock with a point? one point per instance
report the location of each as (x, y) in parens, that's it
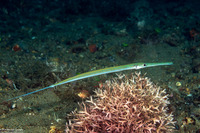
(196, 65)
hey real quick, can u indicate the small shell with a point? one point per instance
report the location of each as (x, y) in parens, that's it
(14, 105)
(178, 84)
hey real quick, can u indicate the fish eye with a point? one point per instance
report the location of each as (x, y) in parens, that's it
(144, 65)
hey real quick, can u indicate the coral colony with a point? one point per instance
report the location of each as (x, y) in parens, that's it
(124, 105)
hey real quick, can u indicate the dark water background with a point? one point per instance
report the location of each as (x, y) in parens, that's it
(46, 41)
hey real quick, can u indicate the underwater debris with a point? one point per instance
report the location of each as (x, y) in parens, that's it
(178, 84)
(194, 34)
(54, 129)
(92, 48)
(187, 121)
(83, 94)
(16, 48)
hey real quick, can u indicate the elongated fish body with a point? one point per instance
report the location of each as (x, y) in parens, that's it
(98, 72)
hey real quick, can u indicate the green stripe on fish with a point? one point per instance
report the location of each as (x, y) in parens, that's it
(98, 72)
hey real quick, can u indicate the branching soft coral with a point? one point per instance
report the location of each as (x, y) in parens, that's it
(124, 105)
